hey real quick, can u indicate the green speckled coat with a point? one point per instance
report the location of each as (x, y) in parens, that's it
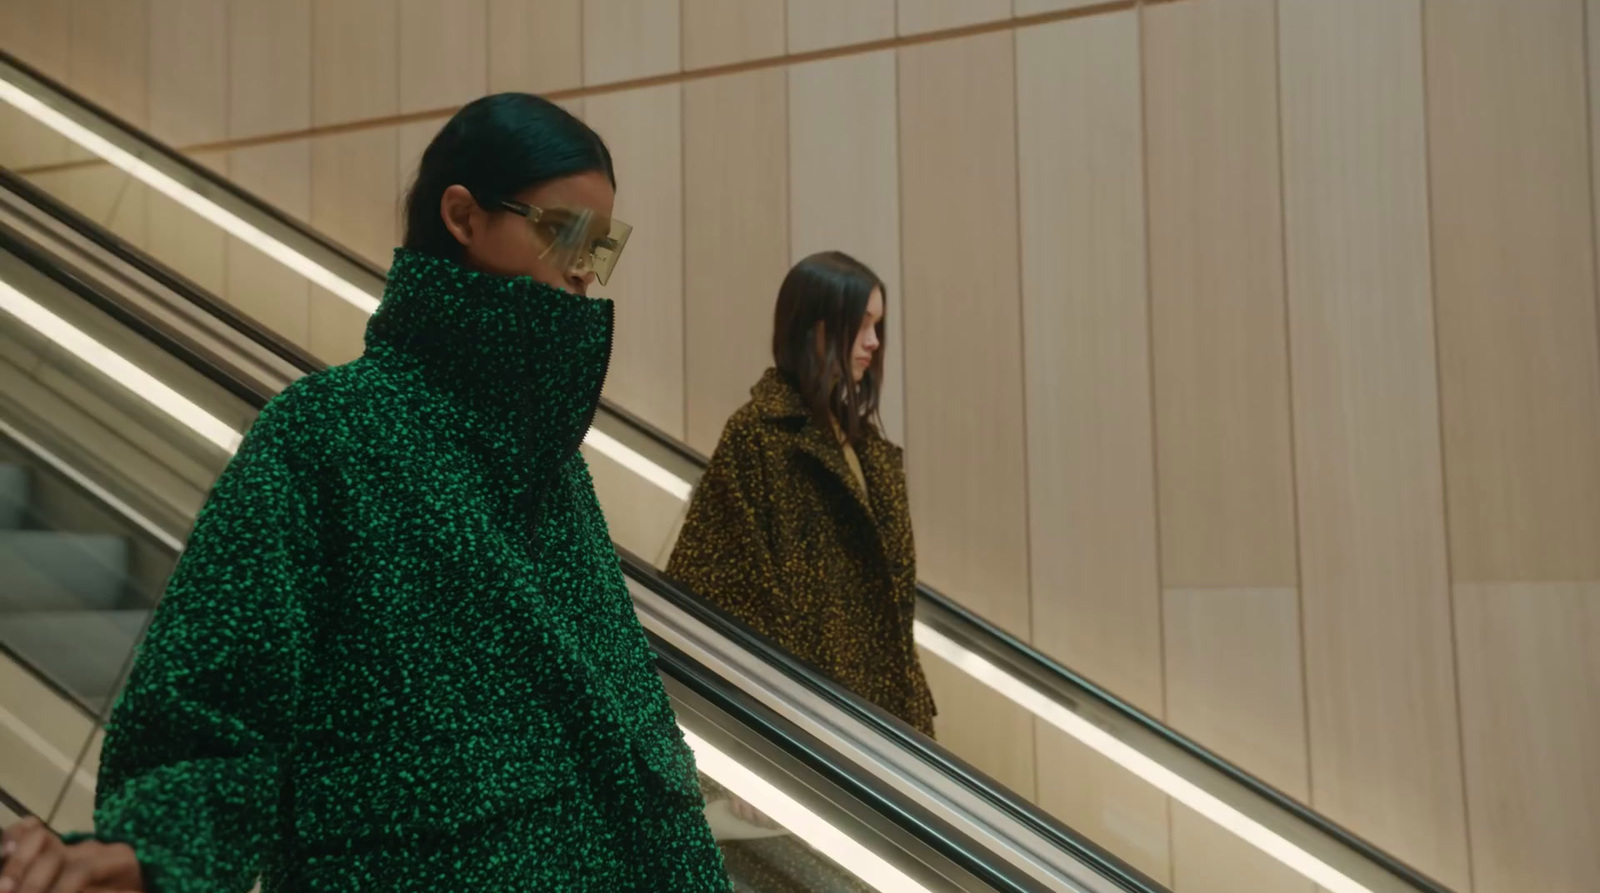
(780, 535)
(398, 653)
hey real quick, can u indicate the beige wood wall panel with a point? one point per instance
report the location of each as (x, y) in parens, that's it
(1104, 802)
(627, 39)
(1514, 278)
(444, 53)
(1384, 731)
(269, 66)
(1530, 700)
(824, 24)
(1235, 683)
(355, 191)
(1091, 469)
(355, 63)
(991, 732)
(188, 71)
(644, 129)
(338, 329)
(736, 239)
(39, 33)
(187, 242)
(1225, 465)
(110, 62)
(722, 32)
(535, 46)
(844, 185)
(965, 433)
(411, 141)
(920, 16)
(268, 291)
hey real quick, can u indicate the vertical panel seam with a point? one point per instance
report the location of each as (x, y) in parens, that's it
(1588, 136)
(1022, 354)
(1294, 432)
(1444, 477)
(1141, 53)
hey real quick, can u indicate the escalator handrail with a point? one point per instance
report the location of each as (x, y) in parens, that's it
(169, 278)
(955, 769)
(1060, 674)
(134, 134)
(884, 799)
(252, 329)
(116, 307)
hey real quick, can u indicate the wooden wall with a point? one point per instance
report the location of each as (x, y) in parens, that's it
(1245, 351)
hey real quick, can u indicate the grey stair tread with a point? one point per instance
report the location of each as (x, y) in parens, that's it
(13, 495)
(82, 651)
(45, 570)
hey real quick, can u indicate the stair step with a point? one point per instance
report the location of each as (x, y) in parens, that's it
(13, 495)
(47, 570)
(82, 651)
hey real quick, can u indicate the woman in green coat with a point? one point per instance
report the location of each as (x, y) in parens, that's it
(398, 653)
(800, 526)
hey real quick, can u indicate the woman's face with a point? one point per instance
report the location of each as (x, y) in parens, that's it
(866, 343)
(505, 243)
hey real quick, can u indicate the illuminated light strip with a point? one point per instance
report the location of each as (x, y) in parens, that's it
(816, 831)
(122, 508)
(294, 260)
(635, 462)
(1119, 752)
(115, 366)
(183, 195)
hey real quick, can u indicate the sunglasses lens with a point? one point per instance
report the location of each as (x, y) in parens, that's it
(603, 253)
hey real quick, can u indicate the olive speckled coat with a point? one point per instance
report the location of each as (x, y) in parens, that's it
(399, 653)
(780, 535)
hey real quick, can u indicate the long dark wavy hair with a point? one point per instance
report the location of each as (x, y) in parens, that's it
(828, 293)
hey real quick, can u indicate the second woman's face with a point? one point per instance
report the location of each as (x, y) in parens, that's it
(505, 243)
(866, 343)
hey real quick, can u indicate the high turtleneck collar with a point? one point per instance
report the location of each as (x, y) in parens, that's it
(527, 361)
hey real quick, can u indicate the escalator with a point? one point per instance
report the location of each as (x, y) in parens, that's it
(103, 463)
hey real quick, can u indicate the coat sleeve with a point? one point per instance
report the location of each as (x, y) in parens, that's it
(189, 775)
(723, 553)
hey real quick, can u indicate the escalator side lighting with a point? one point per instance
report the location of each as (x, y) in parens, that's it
(228, 221)
(1169, 782)
(816, 831)
(636, 462)
(118, 368)
(282, 253)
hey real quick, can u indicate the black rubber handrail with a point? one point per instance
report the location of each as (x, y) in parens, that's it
(659, 438)
(211, 368)
(1043, 665)
(1041, 823)
(15, 805)
(932, 831)
(158, 271)
(214, 179)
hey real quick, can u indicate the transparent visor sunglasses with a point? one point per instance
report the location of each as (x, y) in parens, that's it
(575, 238)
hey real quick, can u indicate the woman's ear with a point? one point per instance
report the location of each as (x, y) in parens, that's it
(460, 212)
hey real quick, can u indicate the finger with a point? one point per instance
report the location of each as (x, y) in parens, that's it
(16, 832)
(71, 880)
(25, 848)
(43, 872)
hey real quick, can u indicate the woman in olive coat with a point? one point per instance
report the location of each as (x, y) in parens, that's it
(800, 527)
